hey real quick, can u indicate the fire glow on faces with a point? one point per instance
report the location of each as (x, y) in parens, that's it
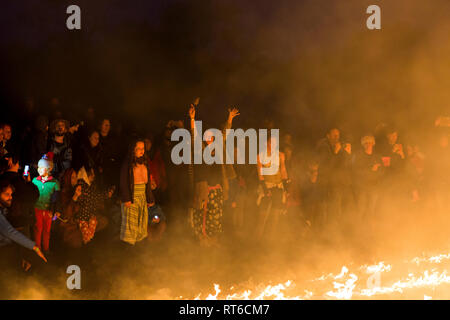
(7, 132)
(6, 197)
(139, 149)
(61, 128)
(94, 139)
(333, 136)
(105, 127)
(43, 171)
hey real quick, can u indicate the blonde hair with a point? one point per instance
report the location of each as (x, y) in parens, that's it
(83, 175)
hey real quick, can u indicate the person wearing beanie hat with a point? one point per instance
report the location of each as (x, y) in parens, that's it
(46, 162)
(47, 203)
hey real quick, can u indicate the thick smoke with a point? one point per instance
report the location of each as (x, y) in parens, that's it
(306, 64)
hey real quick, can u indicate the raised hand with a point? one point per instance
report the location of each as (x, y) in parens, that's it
(111, 191)
(233, 113)
(348, 148)
(337, 147)
(77, 193)
(153, 185)
(196, 101)
(376, 166)
(398, 149)
(39, 253)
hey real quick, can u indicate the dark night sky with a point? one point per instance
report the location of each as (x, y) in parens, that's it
(307, 62)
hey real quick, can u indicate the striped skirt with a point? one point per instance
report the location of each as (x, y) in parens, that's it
(135, 218)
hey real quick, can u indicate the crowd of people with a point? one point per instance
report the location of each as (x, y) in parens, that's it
(69, 180)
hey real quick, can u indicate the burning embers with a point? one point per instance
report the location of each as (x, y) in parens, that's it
(417, 278)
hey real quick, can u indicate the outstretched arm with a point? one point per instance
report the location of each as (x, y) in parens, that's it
(8, 231)
(231, 114)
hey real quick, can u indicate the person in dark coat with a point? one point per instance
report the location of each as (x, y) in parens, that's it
(111, 155)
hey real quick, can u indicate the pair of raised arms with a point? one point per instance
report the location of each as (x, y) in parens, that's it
(232, 112)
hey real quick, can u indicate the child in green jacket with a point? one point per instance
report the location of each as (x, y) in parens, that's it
(47, 203)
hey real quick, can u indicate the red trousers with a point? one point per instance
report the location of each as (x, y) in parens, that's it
(42, 228)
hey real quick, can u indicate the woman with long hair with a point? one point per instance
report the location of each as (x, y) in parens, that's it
(135, 194)
(211, 188)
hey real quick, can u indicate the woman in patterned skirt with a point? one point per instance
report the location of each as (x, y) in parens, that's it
(135, 194)
(210, 186)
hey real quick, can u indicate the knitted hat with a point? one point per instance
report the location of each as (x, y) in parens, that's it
(46, 161)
